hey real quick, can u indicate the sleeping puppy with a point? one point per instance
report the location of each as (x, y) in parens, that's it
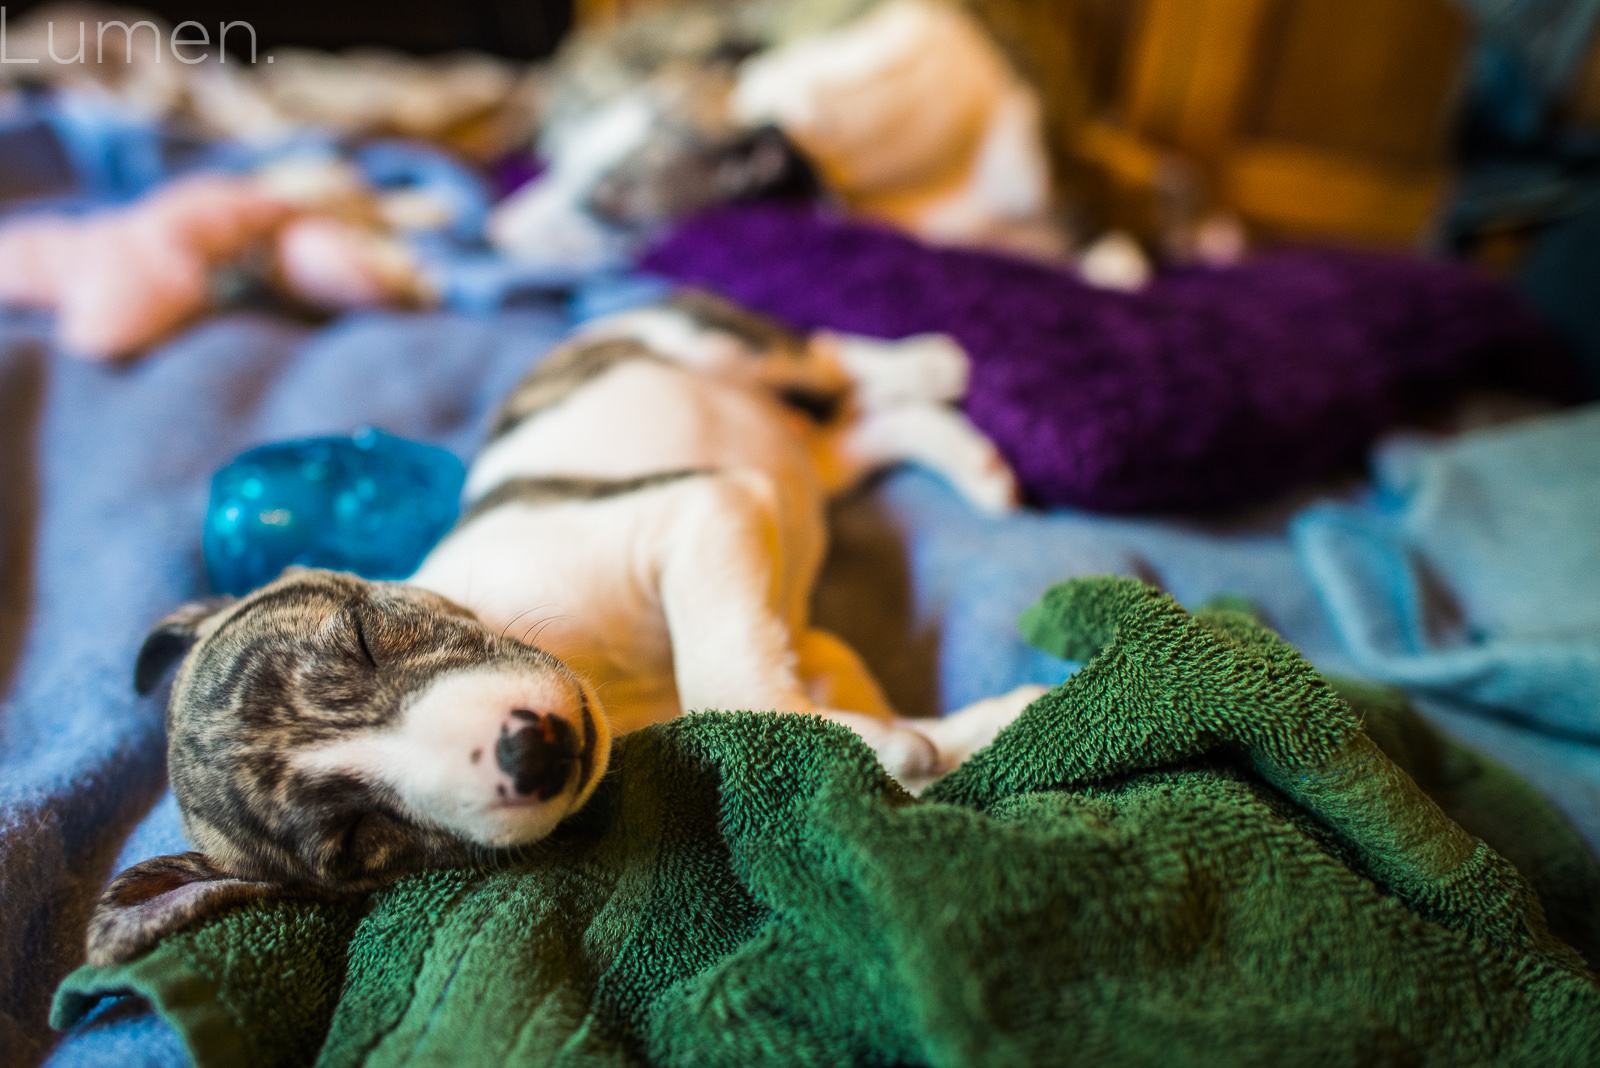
(903, 111)
(644, 528)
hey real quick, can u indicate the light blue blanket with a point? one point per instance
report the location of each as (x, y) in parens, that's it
(1476, 571)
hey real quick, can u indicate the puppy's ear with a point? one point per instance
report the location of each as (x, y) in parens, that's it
(159, 896)
(170, 639)
(764, 163)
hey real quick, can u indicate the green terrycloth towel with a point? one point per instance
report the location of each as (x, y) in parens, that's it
(1188, 853)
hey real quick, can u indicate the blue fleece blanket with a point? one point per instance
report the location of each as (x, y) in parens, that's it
(1471, 575)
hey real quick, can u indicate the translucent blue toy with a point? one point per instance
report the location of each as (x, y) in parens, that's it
(371, 503)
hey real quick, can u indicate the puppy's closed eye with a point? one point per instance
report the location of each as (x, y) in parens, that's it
(361, 639)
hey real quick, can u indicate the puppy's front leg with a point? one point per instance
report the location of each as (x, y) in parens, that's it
(733, 613)
(721, 589)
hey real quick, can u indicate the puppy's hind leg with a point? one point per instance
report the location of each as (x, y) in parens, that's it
(724, 595)
(930, 435)
(926, 367)
(835, 677)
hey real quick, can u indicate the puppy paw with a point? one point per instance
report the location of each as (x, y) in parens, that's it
(990, 485)
(1116, 262)
(975, 468)
(926, 368)
(905, 752)
(967, 730)
(909, 755)
(937, 368)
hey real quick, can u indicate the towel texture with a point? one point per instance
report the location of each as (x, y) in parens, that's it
(1210, 388)
(1475, 573)
(1189, 849)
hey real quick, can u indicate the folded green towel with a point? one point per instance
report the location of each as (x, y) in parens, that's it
(1188, 853)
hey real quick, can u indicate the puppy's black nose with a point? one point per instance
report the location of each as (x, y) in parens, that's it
(540, 756)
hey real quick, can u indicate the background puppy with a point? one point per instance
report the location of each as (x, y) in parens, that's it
(649, 514)
(904, 111)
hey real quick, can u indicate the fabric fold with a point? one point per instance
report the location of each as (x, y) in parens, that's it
(1192, 848)
(1475, 573)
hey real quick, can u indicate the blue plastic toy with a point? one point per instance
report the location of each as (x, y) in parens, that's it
(371, 503)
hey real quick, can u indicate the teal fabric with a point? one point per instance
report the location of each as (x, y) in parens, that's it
(1477, 573)
(1190, 852)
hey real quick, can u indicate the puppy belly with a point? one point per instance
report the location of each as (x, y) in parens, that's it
(642, 418)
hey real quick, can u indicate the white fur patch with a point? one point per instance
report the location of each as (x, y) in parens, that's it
(546, 222)
(440, 759)
(670, 333)
(912, 114)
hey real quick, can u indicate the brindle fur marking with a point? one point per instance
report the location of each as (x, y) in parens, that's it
(683, 165)
(541, 491)
(566, 370)
(308, 660)
(575, 364)
(761, 334)
(765, 338)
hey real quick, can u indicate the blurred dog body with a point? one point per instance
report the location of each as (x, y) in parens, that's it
(908, 114)
(911, 114)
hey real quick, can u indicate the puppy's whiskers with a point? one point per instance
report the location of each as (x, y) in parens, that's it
(538, 628)
(512, 621)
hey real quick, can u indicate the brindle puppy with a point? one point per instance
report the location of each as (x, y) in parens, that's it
(647, 499)
(295, 668)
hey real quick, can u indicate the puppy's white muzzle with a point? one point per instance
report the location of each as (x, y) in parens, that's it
(496, 755)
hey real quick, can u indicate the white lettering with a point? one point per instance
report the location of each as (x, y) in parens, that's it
(185, 37)
(128, 32)
(203, 41)
(50, 36)
(222, 40)
(3, 57)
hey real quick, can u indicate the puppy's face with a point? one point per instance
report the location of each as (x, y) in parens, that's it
(678, 171)
(335, 732)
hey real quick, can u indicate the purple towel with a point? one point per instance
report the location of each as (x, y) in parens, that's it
(1211, 388)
